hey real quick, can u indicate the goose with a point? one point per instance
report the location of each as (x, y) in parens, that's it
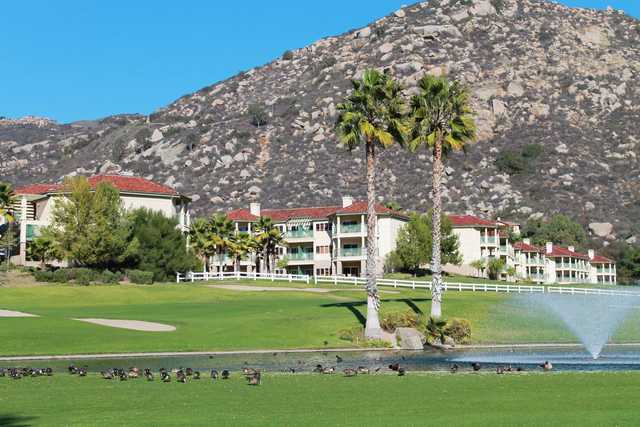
(547, 366)
(107, 375)
(248, 371)
(82, 372)
(189, 372)
(148, 374)
(3, 372)
(214, 374)
(318, 368)
(402, 372)
(350, 372)
(499, 370)
(225, 374)
(123, 376)
(362, 370)
(72, 369)
(48, 372)
(454, 368)
(328, 370)
(196, 375)
(165, 377)
(181, 377)
(394, 366)
(255, 379)
(338, 359)
(476, 366)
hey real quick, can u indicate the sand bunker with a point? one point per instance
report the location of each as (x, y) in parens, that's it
(9, 313)
(283, 289)
(134, 325)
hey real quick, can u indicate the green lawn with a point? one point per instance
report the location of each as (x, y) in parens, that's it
(584, 399)
(216, 319)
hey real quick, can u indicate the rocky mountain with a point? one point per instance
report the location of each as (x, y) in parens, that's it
(555, 91)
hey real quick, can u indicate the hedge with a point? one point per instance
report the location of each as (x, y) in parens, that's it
(140, 277)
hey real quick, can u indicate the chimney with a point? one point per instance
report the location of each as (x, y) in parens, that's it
(572, 248)
(254, 208)
(549, 248)
(591, 253)
(347, 201)
(526, 241)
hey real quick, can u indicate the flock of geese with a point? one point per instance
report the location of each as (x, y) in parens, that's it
(253, 376)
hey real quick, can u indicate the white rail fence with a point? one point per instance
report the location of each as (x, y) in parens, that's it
(408, 284)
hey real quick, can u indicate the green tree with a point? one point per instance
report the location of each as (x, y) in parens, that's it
(222, 231)
(414, 243)
(201, 241)
(44, 248)
(560, 229)
(268, 238)
(90, 228)
(8, 240)
(441, 120)
(241, 245)
(628, 267)
(479, 266)
(495, 266)
(162, 248)
(6, 198)
(372, 115)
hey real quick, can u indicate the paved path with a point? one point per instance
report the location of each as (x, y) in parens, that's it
(248, 288)
(10, 313)
(135, 325)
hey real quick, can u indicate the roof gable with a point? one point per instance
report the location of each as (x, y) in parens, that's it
(125, 184)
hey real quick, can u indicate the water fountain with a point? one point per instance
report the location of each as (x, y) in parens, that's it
(593, 319)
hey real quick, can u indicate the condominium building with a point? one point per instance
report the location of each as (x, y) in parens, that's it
(324, 240)
(482, 239)
(35, 203)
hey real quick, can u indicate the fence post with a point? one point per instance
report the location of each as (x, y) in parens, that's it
(177, 277)
(335, 280)
(307, 280)
(289, 278)
(192, 278)
(315, 279)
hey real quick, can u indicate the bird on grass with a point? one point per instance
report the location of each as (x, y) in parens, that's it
(329, 370)
(107, 375)
(394, 366)
(148, 374)
(3, 372)
(181, 377)
(402, 372)
(499, 370)
(476, 366)
(454, 368)
(350, 372)
(225, 374)
(318, 369)
(255, 379)
(48, 372)
(363, 370)
(124, 376)
(338, 359)
(195, 375)
(546, 366)
(82, 372)
(214, 374)
(72, 369)
(189, 372)
(165, 377)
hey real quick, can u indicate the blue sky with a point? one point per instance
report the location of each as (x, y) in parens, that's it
(85, 59)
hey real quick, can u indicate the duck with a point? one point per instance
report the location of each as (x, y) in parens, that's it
(402, 372)
(394, 366)
(318, 368)
(363, 370)
(476, 366)
(196, 375)
(247, 372)
(350, 372)
(165, 377)
(189, 372)
(48, 372)
(338, 359)
(225, 374)
(72, 369)
(454, 368)
(547, 366)
(123, 376)
(255, 379)
(328, 370)
(181, 377)
(148, 374)
(499, 370)
(107, 375)
(82, 372)
(214, 374)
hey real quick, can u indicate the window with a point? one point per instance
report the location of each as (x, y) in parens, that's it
(322, 249)
(323, 272)
(322, 226)
(243, 228)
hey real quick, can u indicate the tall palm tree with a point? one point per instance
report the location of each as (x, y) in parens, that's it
(268, 238)
(372, 115)
(222, 230)
(441, 120)
(200, 240)
(6, 198)
(240, 246)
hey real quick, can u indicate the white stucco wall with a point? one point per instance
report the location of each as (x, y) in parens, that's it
(469, 244)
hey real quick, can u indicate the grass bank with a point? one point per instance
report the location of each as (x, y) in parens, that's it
(563, 399)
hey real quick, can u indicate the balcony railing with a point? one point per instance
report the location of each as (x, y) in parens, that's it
(605, 270)
(299, 233)
(300, 256)
(491, 240)
(350, 228)
(351, 252)
(535, 261)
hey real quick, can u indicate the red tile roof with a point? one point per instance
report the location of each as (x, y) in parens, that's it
(560, 251)
(471, 221)
(599, 259)
(123, 183)
(316, 213)
(525, 247)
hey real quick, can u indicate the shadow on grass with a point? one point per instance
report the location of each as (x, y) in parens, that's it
(352, 306)
(7, 420)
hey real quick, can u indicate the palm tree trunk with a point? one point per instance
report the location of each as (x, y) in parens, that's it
(436, 267)
(372, 328)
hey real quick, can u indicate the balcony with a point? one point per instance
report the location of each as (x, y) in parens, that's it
(488, 240)
(350, 228)
(605, 270)
(300, 256)
(345, 252)
(535, 261)
(297, 234)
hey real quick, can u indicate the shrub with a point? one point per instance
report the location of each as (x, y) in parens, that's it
(498, 5)
(511, 162)
(84, 276)
(287, 55)
(140, 277)
(404, 319)
(257, 115)
(109, 278)
(459, 330)
(532, 151)
(43, 276)
(61, 276)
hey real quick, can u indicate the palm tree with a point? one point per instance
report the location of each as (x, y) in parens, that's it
(200, 240)
(222, 230)
(479, 265)
(6, 198)
(372, 115)
(268, 238)
(441, 120)
(436, 328)
(240, 245)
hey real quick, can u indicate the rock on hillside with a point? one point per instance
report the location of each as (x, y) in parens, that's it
(546, 79)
